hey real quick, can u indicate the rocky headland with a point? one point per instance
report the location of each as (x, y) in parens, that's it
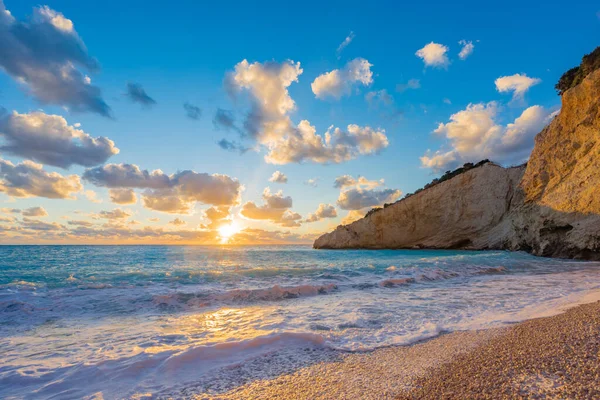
(549, 207)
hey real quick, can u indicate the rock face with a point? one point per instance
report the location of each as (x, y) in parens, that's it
(551, 207)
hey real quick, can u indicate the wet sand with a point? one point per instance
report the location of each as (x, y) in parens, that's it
(553, 357)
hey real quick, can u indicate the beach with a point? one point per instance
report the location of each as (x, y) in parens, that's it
(551, 357)
(272, 322)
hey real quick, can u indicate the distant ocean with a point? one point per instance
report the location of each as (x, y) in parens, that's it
(122, 321)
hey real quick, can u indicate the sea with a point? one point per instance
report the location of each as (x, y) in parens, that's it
(104, 322)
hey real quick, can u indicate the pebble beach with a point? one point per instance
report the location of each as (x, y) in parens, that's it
(552, 357)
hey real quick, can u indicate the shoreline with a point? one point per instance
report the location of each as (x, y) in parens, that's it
(557, 355)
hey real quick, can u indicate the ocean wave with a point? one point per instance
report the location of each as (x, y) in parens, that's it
(273, 293)
(439, 274)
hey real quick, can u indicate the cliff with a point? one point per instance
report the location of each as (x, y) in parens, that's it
(550, 207)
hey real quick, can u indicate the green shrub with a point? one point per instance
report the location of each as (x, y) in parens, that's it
(574, 76)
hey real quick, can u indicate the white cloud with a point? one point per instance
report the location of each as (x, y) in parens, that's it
(345, 44)
(314, 182)
(434, 55)
(340, 82)
(269, 123)
(360, 193)
(122, 196)
(467, 49)
(278, 177)
(176, 193)
(337, 145)
(177, 222)
(92, 196)
(517, 83)
(474, 135)
(35, 212)
(44, 54)
(28, 179)
(344, 181)
(116, 214)
(49, 139)
(323, 211)
(276, 208)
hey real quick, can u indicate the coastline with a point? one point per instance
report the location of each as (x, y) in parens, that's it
(555, 356)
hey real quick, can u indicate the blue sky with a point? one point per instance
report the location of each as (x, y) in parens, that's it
(181, 52)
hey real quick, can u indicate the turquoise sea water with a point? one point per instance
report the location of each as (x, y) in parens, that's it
(113, 321)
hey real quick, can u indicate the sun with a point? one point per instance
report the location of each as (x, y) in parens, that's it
(227, 231)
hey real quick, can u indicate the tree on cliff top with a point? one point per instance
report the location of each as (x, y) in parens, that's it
(574, 76)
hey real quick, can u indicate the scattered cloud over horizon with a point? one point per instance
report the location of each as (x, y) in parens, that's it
(340, 82)
(122, 196)
(49, 139)
(466, 50)
(175, 193)
(519, 84)
(35, 212)
(29, 179)
(474, 134)
(137, 94)
(434, 55)
(344, 44)
(44, 54)
(322, 212)
(276, 208)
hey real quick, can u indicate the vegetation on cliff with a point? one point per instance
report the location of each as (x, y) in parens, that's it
(574, 76)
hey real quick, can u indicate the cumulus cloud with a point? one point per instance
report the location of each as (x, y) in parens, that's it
(116, 214)
(217, 216)
(122, 196)
(10, 210)
(360, 193)
(269, 123)
(344, 44)
(337, 145)
(358, 198)
(49, 139)
(44, 54)
(411, 84)
(92, 196)
(323, 211)
(278, 177)
(137, 94)
(340, 82)
(434, 55)
(35, 212)
(252, 236)
(177, 222)
(192, 111)
(474, 134)
(517, 83)
(344, 181)
(276, 208)
(176, 193)
(466, 50)
(37, 225)
(314, 182)
(28, 179)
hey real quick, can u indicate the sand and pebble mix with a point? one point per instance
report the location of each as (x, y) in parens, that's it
(547, 358)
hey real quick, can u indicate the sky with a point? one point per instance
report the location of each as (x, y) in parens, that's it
(240, 123)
